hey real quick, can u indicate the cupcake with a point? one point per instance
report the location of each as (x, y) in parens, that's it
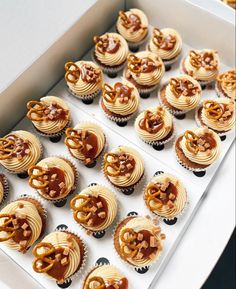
(120, 101)
(54, 178)
(217, 114)
(145, 70)
(4, 188)
(59, 255)
(50, 116)
(94, 208)
(203, 65)
(84, 79)
(197, 149)
(180, 94)
(167, 44)
(226, 84)
(138, 241)
(111, 51)
(124, 168)
(86, 142)
(133, 26)
(155, 126)
(165, 196)
(22, 222)
(105, 277)
(19, 150)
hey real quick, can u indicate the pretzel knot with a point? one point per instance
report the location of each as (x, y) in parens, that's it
(44, 261)
(134, 63)
(125, 19)
(100, 43)
(36, 110)
(74, 138)
(112, 164)
(38, 177)
(228, 79)
(100, 284)
(213, 109)
(109, 93)
(191, 141)
(158, 37)
(151, 193)
(7, 148)
(82, 208)
(72, 72)
(129, 248)
(195, 58)
(7, 227)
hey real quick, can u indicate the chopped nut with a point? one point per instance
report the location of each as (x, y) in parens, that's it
(93, 209)
(61, 185)
(24, 226)
(23, 243)
(26, 233)
(129, 166)
(163, 195)
(102, 215)
(53, 177)
(172, 196)
(128, 175)
(27, 151)
(162, 236)
(139, 256)
(52, 193)
(140, 237)
(152, 256)
(144, 245)
(99, 205)
(20, 205)
(64, 261)
(87, 161)
(201, 148)
(153, 242)
(66, 251)
(170, 204)
(58, 257)
(89, 147)
(207, 145)
(90, 222)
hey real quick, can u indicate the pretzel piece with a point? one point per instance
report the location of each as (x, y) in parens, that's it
(82, 208)
(37, 178)
(213, 109)
(100, 283)
(228, 79)
(134, 63)
(7, 148)
(113, 164)
(43, 258)
(7, 227)
(109, 93)
(195, 58)
(191, 141)
(72, 72)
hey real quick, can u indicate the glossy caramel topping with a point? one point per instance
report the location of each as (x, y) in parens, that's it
(13, 146)
(84, 141)
(89, 210)
(51, 260)
(106, 43)
(203, 59)
(162, 42)
(118, 164)
(39, 111)
(138, 245)
(195, 143)
(51, 181)
(183, 87)
(228, 79)
(158, 195)
(132, 22)
(141, 65)
(218, 111)
(16, 228)
(121, 91)
(111, 284)
(152, 122)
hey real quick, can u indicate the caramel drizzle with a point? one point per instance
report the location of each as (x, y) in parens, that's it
(39, 111)
(203, 59)
(183, 87)
(118, 165)
(99, 283)
(11, 146)
(228, 79)
(162, 42)
(131, 22)
(87, 211)
(106, 43)
(152, 122)
(84, 141)
(121, 91)
(87, 73)
(141, 65)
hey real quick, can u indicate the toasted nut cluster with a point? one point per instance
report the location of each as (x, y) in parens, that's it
(156, 197)
(106, 43)
(123, 92)
(13, 146)
(183, 87)
(151, 122)
(203, 59)
(228, 79)
(14, 223)
(162, 42)
(85, 210)
(141, 65)
(118, 164)
(39, 111)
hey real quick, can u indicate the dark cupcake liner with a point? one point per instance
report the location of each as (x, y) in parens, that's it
(5, 185)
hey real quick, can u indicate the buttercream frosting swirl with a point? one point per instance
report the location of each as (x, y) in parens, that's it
(132, 25)
(206, 147)
(203, 65)
(183, 92)
(153, 124)
(166, 43)
(26, 150)
(145, 67)
(124, 99)
(227, 83)
(111, 49)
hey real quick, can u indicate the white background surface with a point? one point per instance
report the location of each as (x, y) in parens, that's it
(214, 223)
